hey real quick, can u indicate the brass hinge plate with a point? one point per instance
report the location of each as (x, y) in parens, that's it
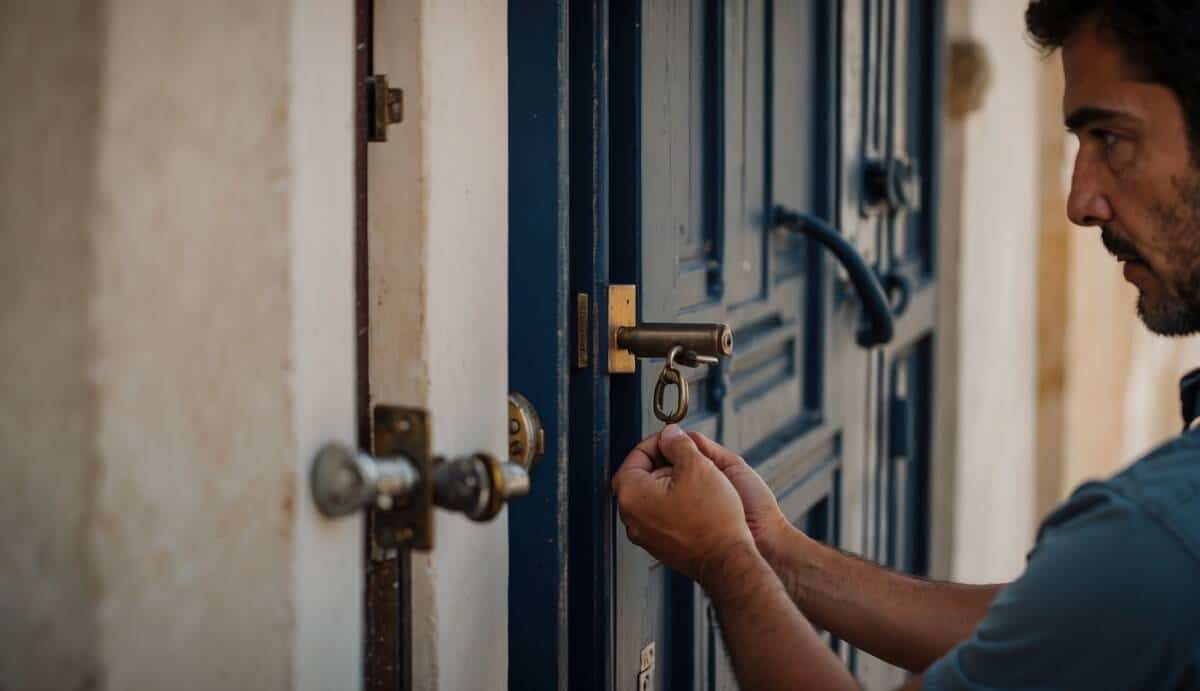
(583, 332)
(400, 431)
(622, 311)
(385, 106)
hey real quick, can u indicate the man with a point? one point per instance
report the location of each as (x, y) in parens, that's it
(1110, 598)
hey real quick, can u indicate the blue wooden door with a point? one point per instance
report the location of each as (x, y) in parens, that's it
(652, 141)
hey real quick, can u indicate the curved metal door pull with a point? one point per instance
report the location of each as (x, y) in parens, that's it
(879, 325)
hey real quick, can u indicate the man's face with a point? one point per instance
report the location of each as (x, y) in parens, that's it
(1135, 178)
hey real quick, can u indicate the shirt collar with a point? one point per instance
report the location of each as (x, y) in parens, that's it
(1189, 397)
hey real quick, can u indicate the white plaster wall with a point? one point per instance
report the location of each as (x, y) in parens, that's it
(997, 317)
(438, 240)
(326, 567)
(178, 324)
(466, 118)
(48, 52)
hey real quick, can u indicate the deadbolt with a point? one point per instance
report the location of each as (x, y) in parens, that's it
(526, 437)
(705, 341)
(702, 344)
(687, 345)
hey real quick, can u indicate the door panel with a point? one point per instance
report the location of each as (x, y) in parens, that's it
(901, 464)
(687, 122)
(731, 110)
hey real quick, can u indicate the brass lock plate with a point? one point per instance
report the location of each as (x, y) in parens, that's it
(646, 668)
(622, 312)
(526, 436)
(401, 431)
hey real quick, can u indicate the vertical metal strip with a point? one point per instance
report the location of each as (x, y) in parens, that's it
(590, 508)
(386, 602)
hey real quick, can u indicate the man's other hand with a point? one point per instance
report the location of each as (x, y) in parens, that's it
(687, 514)
(764, 518)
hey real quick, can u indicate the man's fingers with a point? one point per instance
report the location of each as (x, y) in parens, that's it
(679, 448)
(636, 463)
(649, 446)
(721, 456)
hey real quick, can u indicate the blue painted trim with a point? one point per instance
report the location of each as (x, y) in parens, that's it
(539, 352)
(591, 509)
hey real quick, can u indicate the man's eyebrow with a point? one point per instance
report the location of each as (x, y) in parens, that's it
(1082, 117)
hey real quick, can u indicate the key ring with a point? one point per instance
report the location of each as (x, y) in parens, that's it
(670, 375)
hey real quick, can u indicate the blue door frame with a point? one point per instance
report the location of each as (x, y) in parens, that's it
(572, 234)
(539, 336)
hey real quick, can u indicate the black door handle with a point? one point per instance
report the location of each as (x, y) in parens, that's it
(878, 327)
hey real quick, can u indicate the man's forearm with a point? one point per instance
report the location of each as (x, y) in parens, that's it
(907, 621)
(769, 641)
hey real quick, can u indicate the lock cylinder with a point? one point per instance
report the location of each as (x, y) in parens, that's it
(656, 340)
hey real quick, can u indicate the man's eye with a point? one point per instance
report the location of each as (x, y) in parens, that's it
(1107, 137)
(1117, 149)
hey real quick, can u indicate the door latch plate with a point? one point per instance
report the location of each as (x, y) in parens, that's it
(646, 668)
(622, 312)
(401, 431)
(385, 106)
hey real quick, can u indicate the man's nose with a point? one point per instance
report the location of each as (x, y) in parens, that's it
(1088, 203)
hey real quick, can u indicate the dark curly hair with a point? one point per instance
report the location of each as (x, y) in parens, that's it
(1159, 38)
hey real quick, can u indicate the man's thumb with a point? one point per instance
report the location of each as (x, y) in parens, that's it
(678, 447)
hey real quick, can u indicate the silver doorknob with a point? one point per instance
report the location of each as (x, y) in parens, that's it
(478, 486)
(344, 480)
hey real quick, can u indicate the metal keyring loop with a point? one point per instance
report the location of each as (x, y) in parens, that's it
(670, 375)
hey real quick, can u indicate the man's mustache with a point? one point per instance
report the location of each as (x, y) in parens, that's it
(1118, 246)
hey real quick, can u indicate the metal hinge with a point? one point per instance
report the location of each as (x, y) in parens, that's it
(385, 106)
(582, 330)
(646, 666)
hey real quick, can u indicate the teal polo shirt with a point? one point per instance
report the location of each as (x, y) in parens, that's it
(1110, 597)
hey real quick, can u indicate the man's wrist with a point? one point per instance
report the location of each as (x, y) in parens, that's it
(783, 543)
(735, 572)
(795, 558)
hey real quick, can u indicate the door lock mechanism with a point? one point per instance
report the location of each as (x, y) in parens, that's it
(401, 482)
(689, 345)
(526, 436)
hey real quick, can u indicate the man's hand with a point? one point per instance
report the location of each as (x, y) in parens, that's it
(686, 514)
(766, 521)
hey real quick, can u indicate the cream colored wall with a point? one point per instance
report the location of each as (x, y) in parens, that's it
(176, 228)
(49, 579)
(996, 330)
(439, 322)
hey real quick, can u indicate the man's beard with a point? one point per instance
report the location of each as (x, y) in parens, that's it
(1177, 311)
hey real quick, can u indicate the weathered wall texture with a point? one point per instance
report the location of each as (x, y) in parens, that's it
(191, 314)
(996, 307)
(50, 61)
(158, 353)
(438, 204)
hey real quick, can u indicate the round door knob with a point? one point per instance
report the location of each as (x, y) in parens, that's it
(344, 481)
